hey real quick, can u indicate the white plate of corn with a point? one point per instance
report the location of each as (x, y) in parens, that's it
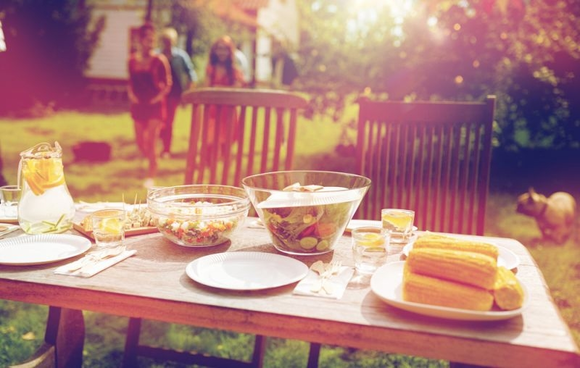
(504, 256)
(387, 284)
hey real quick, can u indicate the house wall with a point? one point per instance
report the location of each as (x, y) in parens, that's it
(279, 20)
(109, 61)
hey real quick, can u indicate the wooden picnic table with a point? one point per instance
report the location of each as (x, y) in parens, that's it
(153, 284)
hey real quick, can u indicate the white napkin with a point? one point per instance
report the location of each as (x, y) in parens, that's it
(336, 282)
(91, 268)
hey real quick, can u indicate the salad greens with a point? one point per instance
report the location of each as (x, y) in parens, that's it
(307, 229)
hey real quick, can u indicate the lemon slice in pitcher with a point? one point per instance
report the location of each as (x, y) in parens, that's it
(53, 172)
(43, 174)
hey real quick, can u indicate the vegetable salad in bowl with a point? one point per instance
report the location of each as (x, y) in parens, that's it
(198, 215)
(305, 212)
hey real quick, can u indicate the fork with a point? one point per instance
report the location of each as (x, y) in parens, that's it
(92, 259)
(331, 269)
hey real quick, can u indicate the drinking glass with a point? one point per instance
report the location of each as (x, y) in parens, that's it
(109, 230)
(400, 223)
(370, 246)
(10, 195)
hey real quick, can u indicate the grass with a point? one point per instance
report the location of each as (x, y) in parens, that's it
(22, 325)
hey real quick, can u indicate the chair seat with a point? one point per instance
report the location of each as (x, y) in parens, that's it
(63, 341)
(44, 357)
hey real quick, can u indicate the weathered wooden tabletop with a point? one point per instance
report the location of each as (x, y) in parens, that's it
(153, 285)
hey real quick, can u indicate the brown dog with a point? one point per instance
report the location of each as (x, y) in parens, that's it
(555, 215)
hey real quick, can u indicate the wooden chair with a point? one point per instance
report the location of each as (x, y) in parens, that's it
(431, 157)
(258, 131)
(240, 132)
(63, 341)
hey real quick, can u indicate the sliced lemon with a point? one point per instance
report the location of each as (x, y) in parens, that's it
(370, 240)
(43, 174)
(111, 226)
(52, 171)
(397, 222)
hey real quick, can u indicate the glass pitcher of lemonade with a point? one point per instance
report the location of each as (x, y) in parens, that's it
(46, 205)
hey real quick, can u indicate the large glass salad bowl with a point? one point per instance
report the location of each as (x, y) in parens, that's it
(305, 212)
(198, 215)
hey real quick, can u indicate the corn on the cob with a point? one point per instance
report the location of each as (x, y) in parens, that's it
(465, 267)
(508, 292)
(430, 290)
(445, 242)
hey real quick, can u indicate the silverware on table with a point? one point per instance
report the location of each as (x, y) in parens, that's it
(325, 272)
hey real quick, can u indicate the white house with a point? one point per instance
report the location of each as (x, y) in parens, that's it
(269, 19)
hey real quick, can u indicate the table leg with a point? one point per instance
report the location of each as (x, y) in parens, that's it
(259, 351)
(313, 355)
(66, 331)
(132, 342)
(463, 365)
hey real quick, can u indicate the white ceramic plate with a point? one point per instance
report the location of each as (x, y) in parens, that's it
(387, 281)
(506, 257)
(38, 249)
(360, 223)
(246, 270)
(6, 228)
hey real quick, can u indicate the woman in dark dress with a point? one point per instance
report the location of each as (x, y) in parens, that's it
(149, 84)
(222, 71)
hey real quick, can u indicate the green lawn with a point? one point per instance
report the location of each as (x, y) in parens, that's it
(21, 325)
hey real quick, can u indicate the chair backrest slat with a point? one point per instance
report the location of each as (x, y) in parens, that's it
(432, 157)
(241, 144)
(253, 139)
(291, 138)
(266, 139)
(240, 132)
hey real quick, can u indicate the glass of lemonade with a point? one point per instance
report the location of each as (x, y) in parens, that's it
(399, 222)
(370, 246)
(109, 229)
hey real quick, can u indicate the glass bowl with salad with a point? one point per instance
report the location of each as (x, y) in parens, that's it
(198, 215)
(305, 212)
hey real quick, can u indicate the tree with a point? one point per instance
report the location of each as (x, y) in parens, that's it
(527, 53)
(514, 50)
(48, 47)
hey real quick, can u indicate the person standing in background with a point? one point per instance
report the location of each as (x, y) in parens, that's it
(2, 179)
(184, 78)
(283, 66)
(149, 84)
(222, 71)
